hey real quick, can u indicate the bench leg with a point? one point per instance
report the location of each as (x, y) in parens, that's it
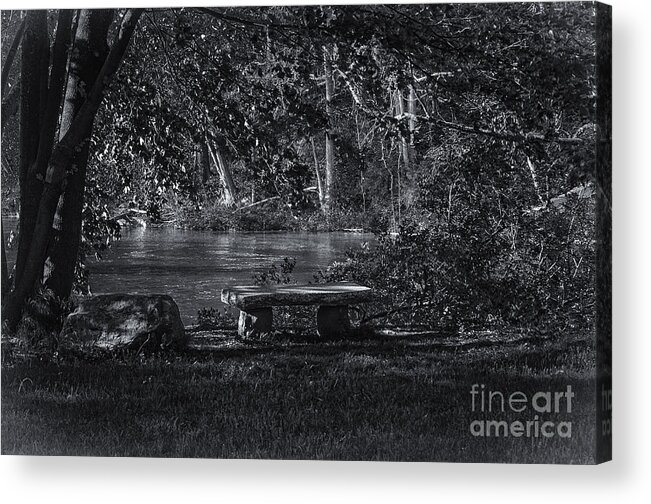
(332, 321)
(255, 322)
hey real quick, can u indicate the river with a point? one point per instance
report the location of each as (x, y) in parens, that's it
(193, 266)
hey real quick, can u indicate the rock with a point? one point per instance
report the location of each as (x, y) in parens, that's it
(129, 321)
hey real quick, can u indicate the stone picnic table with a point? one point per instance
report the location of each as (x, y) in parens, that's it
(333, 299)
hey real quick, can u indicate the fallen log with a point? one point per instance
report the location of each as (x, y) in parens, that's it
(267, 200)
(127, 214)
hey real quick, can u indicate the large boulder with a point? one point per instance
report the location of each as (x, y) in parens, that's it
(124, 321)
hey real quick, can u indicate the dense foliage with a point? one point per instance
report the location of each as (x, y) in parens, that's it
(460, 132)
(536, 270)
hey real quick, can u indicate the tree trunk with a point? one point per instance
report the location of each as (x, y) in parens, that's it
(269, 44)
(534, 179)
(6, 286)
(411, 109)
(329, 193)
(400, 112)
(319, 184)
(227, 177)
(90, 50)
(204, 159)
(52, 104)
(60, 162)
(34, 60)
(225, 174)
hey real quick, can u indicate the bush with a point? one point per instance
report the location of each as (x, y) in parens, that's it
(215, 318)
(535, 268)
(281, 274)
(42, 320)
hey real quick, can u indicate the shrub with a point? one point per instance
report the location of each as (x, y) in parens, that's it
(215, 318)
(281, 274)
(42, 320)
(534, 268)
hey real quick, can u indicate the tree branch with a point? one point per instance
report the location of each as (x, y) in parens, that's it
(509, 136)
(11, 54)
(10, 105)
(225, 17)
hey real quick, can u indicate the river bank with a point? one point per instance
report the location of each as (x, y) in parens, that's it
(274, 216)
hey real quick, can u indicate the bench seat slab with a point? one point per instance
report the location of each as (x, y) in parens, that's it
(334, 294)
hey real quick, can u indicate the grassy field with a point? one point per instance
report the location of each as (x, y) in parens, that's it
(386, 397)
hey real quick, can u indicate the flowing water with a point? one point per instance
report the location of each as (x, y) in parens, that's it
(193, 266)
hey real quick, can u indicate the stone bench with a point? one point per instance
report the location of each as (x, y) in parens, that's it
(333, 299)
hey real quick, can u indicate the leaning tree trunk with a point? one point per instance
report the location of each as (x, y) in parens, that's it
(225, 175)
(90, 51)
(61, 160)
(227, 178)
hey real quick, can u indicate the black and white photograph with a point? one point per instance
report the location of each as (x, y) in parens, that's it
(366, 232)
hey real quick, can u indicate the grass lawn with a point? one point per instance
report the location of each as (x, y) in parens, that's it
(386, 397)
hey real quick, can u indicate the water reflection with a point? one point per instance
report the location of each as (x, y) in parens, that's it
(193, 266)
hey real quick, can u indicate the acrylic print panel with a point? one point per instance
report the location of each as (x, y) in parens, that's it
(376, 232)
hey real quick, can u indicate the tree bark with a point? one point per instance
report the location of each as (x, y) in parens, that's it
(225, 174)
(90, 51)
(411, 109)
(204, 158)
(4, 272)
(329, 193)
(534, 179)
(52, 104)
(317, 173)
(35, 51)
(400, 112)
(60, 162)
(227, 178)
